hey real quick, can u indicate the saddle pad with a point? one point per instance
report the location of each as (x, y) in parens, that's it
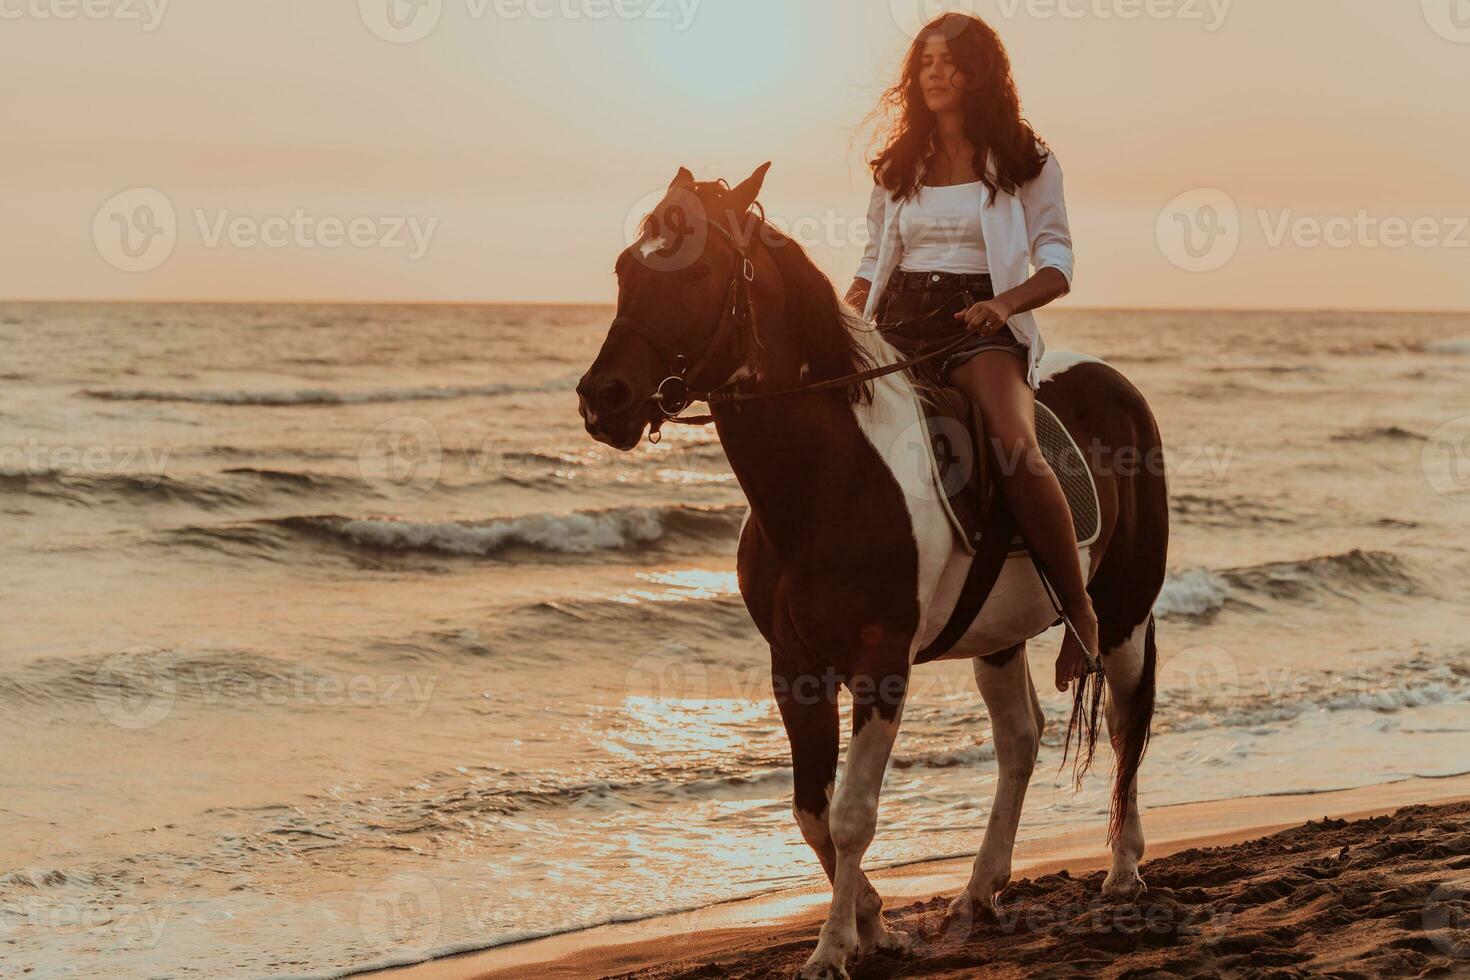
(962, 473)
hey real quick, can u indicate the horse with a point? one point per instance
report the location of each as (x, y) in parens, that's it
(846, 566)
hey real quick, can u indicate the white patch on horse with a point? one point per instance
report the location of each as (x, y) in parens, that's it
(852, 820)
(1124, 668)
(894, 424)
(1055, 363)
(652, 246)
(1018, 607)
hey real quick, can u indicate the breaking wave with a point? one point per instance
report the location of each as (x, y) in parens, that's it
(577, 533)
(1202, 592)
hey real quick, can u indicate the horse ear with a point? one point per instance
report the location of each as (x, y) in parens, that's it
(682, 179)
(741, 198)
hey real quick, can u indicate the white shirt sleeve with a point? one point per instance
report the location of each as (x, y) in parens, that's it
(868, 267)
(1046, 220)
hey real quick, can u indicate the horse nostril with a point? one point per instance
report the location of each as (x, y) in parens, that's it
(612, 396)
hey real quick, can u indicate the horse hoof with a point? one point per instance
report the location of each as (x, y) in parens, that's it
(964, 913)
(822, 971)
(894, 941)
(1123, 887)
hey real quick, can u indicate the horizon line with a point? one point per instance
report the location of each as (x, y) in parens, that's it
(1445, 311)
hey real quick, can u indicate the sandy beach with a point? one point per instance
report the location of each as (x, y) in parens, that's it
(1367, 882)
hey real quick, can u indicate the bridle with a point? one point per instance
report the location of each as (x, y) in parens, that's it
(674, 393)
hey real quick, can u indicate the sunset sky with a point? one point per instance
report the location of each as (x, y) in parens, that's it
(301, 145)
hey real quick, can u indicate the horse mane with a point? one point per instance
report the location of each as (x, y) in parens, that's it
(826, 331)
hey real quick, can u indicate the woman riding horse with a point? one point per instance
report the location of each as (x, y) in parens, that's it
(965, 195)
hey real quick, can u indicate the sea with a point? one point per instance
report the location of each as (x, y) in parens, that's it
(331, 641)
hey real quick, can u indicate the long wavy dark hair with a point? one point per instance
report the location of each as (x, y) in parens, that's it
(993, 122)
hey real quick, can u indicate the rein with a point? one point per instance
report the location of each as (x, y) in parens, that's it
(674, 393)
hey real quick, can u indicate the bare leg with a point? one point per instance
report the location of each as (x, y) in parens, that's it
(1016, 720)
(996, 381)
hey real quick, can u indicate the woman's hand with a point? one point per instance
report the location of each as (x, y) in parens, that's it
(987, 317)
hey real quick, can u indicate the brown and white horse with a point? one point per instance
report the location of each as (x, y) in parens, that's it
(847, 561)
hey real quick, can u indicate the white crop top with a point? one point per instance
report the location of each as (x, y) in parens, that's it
(940, 228)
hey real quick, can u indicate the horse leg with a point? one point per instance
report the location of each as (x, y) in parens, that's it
(1129, 667)
(811, 727)
(1004, 680)
(852, 818)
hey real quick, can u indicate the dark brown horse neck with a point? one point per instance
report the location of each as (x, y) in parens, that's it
(800, 461)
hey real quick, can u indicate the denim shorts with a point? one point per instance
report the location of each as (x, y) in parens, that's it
(917, 313)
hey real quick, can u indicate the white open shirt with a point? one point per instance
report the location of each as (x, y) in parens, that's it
(1022, 230)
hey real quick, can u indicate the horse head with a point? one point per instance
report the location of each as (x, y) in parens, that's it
(686, 292)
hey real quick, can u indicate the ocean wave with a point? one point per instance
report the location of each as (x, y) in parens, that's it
(115, 488)
(1202, 592)
(236, 487)
(137, 680)
(572, 534)
(1236, 511)
(1194, 592)
(1351, 571)
(1211, 691)
(1372, 433)
(324, 396)
(576, 533)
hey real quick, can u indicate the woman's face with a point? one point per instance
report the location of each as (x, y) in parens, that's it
(942, 82)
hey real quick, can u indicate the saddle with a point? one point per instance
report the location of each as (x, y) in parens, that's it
(965, 475)
(964, 468)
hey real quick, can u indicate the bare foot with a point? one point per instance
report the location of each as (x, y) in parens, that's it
(1073, 661)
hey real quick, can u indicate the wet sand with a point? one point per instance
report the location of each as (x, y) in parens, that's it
(1367, 882)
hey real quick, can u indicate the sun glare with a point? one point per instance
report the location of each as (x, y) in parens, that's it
(725, 56)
